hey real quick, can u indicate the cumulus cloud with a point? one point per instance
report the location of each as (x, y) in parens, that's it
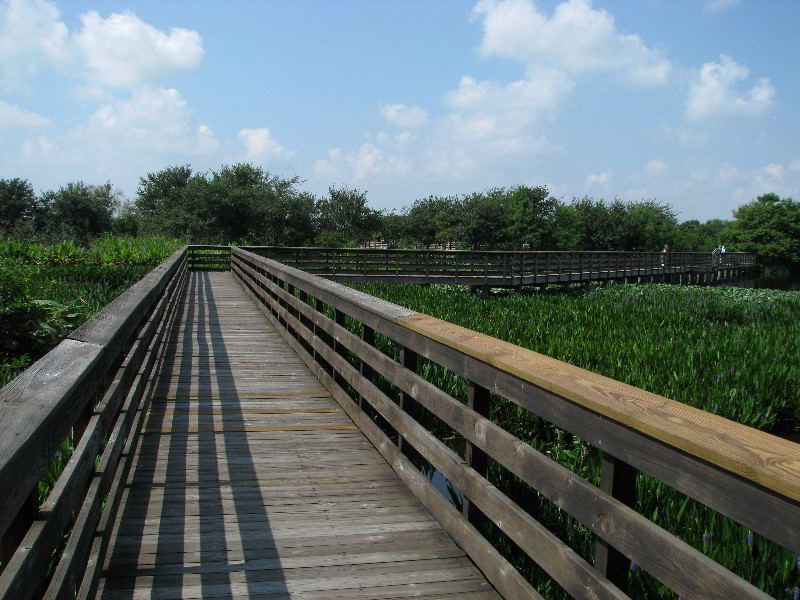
(120, 51)
(124, 51)
(406, 117)
(500, 117)
(14, 116)
(260, 145)
(576, 37)
(713, 93)
(31, 34)
(154, 119)
(369, 159)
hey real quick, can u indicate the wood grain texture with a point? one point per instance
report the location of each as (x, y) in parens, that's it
(36, 410)
(250, 479)
(686, 571)
(760, 457)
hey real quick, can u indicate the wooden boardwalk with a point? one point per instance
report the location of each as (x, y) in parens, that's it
(250, 480)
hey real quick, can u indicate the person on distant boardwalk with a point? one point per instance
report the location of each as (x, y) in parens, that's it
(664, 253)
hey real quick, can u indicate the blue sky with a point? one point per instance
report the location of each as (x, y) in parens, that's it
(691, 102)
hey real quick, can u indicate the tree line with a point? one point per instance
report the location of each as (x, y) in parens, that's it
(244, 204)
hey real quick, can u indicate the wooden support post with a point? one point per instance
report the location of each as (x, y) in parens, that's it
(340, 349)
(319, 306)
(619, 480)
(19, 527)
(478, 400)
(368, 335)
(291, 311)
(303, 319)
(408, 358)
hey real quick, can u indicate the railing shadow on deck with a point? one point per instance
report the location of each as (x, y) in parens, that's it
(184, 412)
(747, 475)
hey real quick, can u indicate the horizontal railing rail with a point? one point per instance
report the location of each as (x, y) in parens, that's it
(497, 268)
(93, 385)
(209, 258)
(742, 473)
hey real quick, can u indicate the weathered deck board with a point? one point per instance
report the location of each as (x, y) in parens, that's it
(250, 480)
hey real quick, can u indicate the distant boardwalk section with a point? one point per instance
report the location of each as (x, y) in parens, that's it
(512, 268)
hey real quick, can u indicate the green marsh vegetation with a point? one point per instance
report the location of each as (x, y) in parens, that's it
(46, 291)
(734, 352)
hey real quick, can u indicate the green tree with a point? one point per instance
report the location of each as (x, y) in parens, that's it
(17, 203)
(161, 204)
(650, 225)
(531, 217)
(395, 230)
(434, 220)
(770, 227)
(345, 218)
(79, 211)
(484, 222)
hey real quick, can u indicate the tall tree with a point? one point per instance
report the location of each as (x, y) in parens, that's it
(345, 218)
(79, 211)
(531, 217)
(770, 227)
(17, 203)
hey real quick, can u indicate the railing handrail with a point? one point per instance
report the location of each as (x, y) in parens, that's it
(679, 425)
(55, 394)
(749, 475)
(360, 249)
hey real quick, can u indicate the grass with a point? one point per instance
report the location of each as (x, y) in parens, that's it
(734, 352)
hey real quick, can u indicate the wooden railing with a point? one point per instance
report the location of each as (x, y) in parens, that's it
(92, 384)
(209, 258)
(745, 474)
(498, 268)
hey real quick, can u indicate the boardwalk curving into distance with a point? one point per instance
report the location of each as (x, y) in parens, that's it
(243, 428)
(249, 479)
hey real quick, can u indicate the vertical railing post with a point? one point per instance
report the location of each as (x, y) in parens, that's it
(18, 527)
(368, 337)
(319, 306)
(408, 358)
(427, 266)
(340, 349)
(619, 481)
(478, 400)
(290, 310)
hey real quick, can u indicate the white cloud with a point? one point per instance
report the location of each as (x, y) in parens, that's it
(368, 160)
(261, 145)
(656, 167)
(31, 34)
(713, 93)
(406, 117)
(118, 51)
(772, 177)
(13, 116)
(153, 120)
(576, 38)
(717, 6)
(599, 179)
(500, 118)
(124, 51)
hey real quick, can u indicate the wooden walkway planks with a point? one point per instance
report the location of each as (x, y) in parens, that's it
(249, 480)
